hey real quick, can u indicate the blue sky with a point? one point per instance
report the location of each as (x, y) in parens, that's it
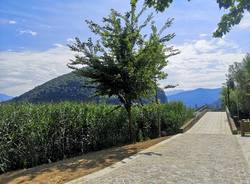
(34, 34)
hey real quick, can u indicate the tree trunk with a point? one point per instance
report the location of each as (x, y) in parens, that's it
(159, 121)
(130, 123)
(158, 112)
(237, 105)
(228, 97)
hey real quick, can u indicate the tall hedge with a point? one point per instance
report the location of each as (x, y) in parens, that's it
(35, 134)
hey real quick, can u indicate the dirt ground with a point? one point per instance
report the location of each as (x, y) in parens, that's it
(69, 169)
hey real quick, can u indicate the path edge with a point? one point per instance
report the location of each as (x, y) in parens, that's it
(231, 122)
(119, 164)
(198, 115)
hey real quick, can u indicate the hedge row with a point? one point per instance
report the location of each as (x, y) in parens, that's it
(35, 134)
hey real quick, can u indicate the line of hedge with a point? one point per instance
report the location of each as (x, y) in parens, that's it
(35, 134)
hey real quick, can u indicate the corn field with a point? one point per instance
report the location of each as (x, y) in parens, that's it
(33, 134)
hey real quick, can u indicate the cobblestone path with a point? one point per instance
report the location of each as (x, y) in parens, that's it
(212, 123)
(208, 153)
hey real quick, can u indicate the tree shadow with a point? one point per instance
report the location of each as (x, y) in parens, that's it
(151, 154)
(77, 166)
(246, 135)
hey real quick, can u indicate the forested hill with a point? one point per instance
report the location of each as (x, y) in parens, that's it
(68, 87)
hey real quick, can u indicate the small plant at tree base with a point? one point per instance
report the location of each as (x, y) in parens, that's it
(123, 62)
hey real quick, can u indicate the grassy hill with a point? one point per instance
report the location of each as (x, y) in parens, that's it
(68, 87)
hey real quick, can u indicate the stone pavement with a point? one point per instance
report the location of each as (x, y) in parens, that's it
(212, 123)
(208, 153)
(245, 145)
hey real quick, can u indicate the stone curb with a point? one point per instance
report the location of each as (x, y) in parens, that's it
(188, 125)
(231, 122)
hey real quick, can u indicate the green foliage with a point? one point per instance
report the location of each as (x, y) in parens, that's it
(234, 15)
(33, 134)
(159, 5)
(123, 62)
(238, 87)
(223, 97)
(236, 9)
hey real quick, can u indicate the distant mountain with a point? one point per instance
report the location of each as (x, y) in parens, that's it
(4, 97)
(173, 92)
(198, 97)
(68, 87)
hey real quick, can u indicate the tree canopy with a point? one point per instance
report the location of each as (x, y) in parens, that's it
(238, 86)
(123, 62)
(236, 10)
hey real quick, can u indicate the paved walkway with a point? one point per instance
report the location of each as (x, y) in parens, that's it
(208, 153)
(212, 123)
(245, 145)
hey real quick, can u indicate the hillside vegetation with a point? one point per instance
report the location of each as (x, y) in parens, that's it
(68, 87)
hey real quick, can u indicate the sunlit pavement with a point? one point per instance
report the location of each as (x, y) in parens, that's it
(207, 153)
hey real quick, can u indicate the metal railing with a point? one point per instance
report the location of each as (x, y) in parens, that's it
(197, 115)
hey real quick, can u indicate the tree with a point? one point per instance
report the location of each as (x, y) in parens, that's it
(242, 81)
(238, 86)
(123, 62)
(236, 9)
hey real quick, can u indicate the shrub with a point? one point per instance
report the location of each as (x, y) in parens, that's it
(33, 134)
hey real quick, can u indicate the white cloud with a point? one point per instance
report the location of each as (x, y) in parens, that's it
(202, 63)
(22, 71)
(203, 35)
(70, 40)
(58, 45)
(245, 22)
(32, 33)
(6, 21)
(12, 22)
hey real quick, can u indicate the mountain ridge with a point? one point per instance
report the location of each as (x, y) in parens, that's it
(198, 97)
(68, 87)
(4, 97)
